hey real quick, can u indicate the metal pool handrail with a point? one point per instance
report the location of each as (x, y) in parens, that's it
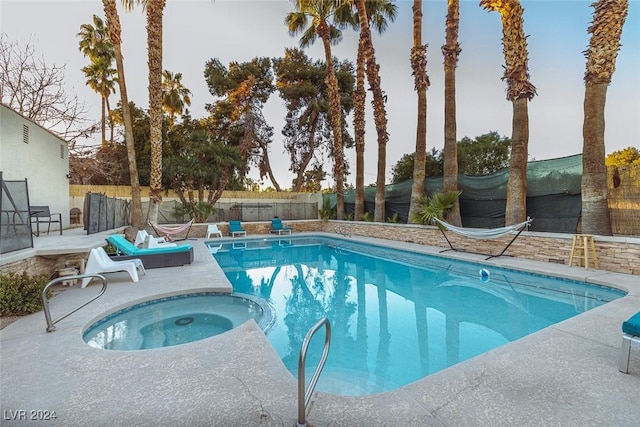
(45, 301)
(304, 397)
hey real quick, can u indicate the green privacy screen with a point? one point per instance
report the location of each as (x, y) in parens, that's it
(553, 196)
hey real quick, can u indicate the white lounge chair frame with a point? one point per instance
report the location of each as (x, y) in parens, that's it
(99, 262)
(151, 242)
(141, 235)
(213, 229)
(482, 233)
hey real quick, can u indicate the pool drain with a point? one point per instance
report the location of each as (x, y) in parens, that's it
(184, 321)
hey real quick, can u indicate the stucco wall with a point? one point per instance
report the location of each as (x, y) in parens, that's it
(43, 160)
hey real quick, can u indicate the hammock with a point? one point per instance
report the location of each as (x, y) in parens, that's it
(173, 230)
(482, 233)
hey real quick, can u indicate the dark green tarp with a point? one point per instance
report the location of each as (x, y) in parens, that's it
(553, 196)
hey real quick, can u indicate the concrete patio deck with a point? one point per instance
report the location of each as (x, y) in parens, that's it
(564, 375)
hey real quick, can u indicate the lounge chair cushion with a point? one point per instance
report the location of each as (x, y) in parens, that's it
(128, 248)
(632, 326)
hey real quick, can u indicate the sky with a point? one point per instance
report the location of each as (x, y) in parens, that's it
(196, 31)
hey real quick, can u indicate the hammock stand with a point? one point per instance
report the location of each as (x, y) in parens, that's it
(172, 231)
(482, 233)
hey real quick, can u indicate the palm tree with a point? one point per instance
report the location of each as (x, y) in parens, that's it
(174, 95)
(608, 18)
(95, 44)
(519, 91)
(372, 70)
(101, 77)
(320, 12)
(377, 12)
(421, 83)
(155, 9)
(451, 50)
(115, 31)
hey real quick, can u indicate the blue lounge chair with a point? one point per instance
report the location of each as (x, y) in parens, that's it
(277, 227)
(235, 228)
(164, 256)
(630, 334)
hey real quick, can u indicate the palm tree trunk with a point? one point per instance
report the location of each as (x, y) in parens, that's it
(359, 99)
(516, 210)
(113, 23)
(372, 70)
(154, 44)
(451, 50)
(606, 29)
(595, 209)
(519, 91)
(104, 123)
(111, 124)
(336, 124)
(421, 82)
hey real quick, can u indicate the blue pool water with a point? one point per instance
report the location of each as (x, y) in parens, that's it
(396, 316)
(175, 320)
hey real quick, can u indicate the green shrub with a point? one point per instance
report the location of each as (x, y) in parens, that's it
(110, 249)
(20, 293)
(435, 206)
(326, 213)
(367, 217)
(395, 219)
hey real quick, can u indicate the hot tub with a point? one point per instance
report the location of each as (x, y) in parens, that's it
(176, 320)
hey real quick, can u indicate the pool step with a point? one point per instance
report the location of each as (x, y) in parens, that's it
(351, 382)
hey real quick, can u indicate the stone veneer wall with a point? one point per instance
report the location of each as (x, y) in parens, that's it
(39, 265)
(616, 254)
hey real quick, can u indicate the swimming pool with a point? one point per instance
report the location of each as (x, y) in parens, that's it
(396, 316)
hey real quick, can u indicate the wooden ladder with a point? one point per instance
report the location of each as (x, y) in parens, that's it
(583, 249)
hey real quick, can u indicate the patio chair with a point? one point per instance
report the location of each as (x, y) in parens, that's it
(43, 215)
(235, 228)
(630, 335)
(278, 228)
(163, 256)
(99, 262)
(213, 229)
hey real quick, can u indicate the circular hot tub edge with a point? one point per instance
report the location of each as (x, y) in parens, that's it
(177, 319)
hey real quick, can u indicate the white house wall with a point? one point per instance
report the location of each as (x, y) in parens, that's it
(43, 160)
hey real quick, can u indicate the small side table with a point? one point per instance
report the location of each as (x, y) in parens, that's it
(583, 249)
(64, 272)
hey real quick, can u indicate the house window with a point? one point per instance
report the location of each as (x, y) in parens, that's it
(25, 134)
(61, 151)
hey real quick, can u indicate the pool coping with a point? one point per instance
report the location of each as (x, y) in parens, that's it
(565, 374)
